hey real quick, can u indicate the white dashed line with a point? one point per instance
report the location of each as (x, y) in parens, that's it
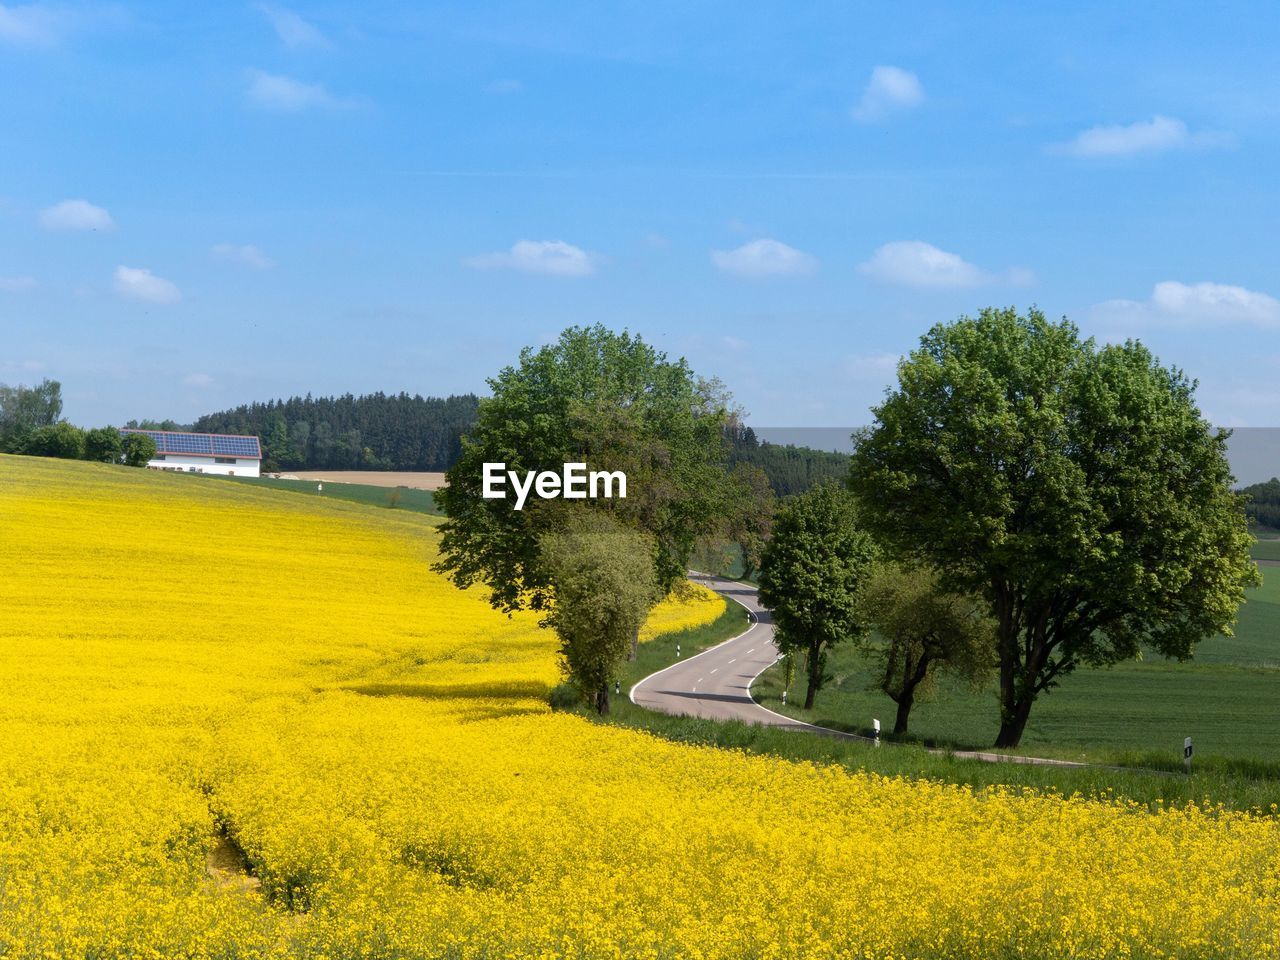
(713, 671)
(752, 650)
(734, 660)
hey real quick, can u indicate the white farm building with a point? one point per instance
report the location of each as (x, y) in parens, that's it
(221, 453)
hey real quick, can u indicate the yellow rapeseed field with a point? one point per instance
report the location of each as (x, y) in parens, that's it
(189, 668)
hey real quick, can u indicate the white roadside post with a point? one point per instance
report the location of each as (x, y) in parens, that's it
(875, 725)
(1187, 750)
(677, 651)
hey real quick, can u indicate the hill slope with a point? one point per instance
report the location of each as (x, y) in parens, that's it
(373, 745)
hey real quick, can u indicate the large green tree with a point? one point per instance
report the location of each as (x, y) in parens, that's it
(1077, 488)
(601, 398)
(811, 577)
(603, 577)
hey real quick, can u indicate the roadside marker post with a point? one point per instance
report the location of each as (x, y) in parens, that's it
(1187, 751)
(677, 651)
(875, 725)
(617, 686)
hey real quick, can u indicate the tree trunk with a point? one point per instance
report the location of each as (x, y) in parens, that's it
(814, 670)
(1007, 642)
(1013, 722)
(904, 711)
(602, 700)
(635, 644)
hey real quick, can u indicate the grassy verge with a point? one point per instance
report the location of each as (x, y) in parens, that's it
(1236, 783)
(396, 498)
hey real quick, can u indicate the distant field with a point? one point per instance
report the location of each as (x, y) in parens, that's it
(396, 498)
(1266, 550)
(1225, 699)
(375, 478)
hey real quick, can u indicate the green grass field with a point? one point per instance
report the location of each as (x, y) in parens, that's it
(1132, 713)
(1239, 784)
(399, 498)
(1266, 550)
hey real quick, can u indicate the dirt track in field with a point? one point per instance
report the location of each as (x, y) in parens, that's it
(376, 478)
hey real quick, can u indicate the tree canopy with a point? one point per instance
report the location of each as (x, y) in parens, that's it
(1076, 488)
(925, 630)
(601, 398)
(811, 577)
(602, 574)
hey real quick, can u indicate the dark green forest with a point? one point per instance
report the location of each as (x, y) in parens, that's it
(377, 431)
(1264, 504)
(790, 469)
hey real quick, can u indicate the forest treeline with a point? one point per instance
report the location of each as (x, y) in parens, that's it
(1264, 503)
(402, 432)
(790, 469)
(376, 431)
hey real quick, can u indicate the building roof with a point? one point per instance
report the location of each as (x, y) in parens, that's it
(203, 444)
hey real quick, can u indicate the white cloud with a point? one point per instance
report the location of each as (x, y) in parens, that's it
(76, 215)
(889, 90)
(914, 263)
(16, 284)
(874, 366)
(34, 24)
(1145, 136)
(554, 257)
(138, 283)
(291, 28)
(1190, 304)
(244, 254)
(764, 258)
(198, 380)
(274, 92)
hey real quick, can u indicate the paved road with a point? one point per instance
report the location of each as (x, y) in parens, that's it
(716, 683)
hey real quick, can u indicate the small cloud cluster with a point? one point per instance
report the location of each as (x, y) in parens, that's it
(1156, 135)
(34, 24)
(1195, 304)
(138, 283)
(293, 31)
(890, 90)
(914, 263)
(552, 257)
(246, 255)
(764, 258)
(271, 91)
(76, 215)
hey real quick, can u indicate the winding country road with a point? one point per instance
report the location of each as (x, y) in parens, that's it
(716, 684)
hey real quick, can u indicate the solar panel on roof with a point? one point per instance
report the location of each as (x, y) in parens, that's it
(206, 444)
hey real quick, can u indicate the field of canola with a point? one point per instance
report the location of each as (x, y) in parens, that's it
(184, 661)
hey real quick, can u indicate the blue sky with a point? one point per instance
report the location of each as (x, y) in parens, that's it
(202, 205)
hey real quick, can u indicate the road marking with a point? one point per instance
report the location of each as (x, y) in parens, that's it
(717, 668)
(734, 660)
(752, 650)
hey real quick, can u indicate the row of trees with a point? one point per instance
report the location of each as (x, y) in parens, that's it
(376, 431)
(1072, 494)
(1263, 507)
(1026, 502)
(31, 423)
